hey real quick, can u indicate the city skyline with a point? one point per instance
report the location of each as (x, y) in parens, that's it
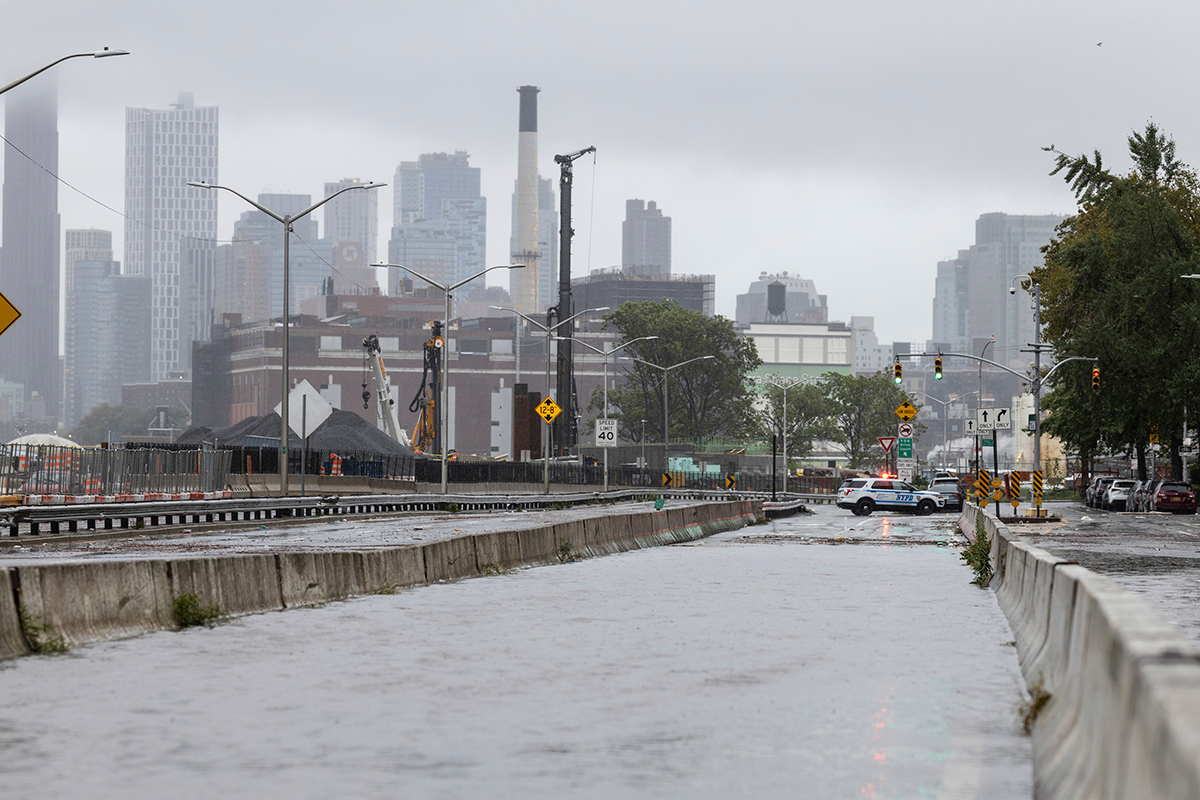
(785, 149)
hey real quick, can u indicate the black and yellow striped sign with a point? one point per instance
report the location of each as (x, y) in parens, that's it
(1037, 488)
(1014, 489)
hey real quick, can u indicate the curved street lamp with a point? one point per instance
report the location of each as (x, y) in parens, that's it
(287, 220)
(549, 329)
(606, 354)
(448, 291)
(105, 53)
(666, 371)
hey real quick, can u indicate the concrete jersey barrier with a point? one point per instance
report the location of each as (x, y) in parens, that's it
(1123, 718)
(78, 603)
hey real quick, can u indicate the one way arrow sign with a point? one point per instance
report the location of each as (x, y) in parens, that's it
(1003, 419)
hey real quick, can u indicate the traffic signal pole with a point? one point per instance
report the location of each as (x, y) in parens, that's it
(1037, 380)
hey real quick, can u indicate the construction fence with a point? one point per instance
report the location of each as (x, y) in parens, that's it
(50, 469)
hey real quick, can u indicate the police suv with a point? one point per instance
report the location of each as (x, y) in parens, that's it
(864, 495)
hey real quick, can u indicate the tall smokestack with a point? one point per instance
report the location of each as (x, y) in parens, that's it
(524, 282)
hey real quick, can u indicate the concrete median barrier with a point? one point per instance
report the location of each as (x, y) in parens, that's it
(1123, 715)
(80, 603)
(393, 568)
(538, 545)
(74, 604)
(497, 550)
(239, 584)
(12, 642)
(450, 559)
(311, 578)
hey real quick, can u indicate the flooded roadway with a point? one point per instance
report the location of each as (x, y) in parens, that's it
(826, 656)
(1156, 555)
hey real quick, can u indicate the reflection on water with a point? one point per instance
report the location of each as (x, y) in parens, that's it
(728, 668)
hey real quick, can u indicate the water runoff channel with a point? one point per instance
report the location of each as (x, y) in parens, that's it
(822, 656)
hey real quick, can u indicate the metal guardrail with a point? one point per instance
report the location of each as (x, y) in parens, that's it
(150, 515)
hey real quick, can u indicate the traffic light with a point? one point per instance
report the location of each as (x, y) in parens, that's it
(898, 372)
(1095, 377)
(937, 369)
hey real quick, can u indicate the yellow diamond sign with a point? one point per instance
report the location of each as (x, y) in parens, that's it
(8, 314)
(906, 411)
(548, 410)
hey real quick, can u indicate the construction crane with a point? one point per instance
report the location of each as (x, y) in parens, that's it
(383, 392)
(427, 436)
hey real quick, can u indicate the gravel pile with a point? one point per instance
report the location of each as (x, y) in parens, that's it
(344, 431)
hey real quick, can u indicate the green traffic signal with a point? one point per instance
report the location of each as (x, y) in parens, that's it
(898, 373)
(937, 369)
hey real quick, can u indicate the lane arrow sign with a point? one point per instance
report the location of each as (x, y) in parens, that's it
(8, 314)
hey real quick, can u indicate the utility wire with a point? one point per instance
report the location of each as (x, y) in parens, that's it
(176, 234)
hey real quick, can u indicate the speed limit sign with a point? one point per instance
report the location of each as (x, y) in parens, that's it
(606, 432)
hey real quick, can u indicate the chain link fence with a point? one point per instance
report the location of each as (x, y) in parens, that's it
(49, 469)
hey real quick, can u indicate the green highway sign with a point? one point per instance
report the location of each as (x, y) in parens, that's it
(989, 442)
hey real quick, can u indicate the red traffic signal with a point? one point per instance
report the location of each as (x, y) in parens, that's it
(1095, 377)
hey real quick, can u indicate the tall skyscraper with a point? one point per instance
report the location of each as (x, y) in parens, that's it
(113, 347)
(646, 240)
(437, 203)
(547, 242)
(352, 224)
(252, 268)
(29, 258)
(171, 228)
(950, 303)
(81, 245)
(972, 290)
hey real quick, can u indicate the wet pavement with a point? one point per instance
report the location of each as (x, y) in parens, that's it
(1156, 555)
(822, 656)
(325, 533)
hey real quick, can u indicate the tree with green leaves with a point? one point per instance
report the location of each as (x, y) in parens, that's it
(809, 416)
(1112, 289)
(707, 398)
(864, 409)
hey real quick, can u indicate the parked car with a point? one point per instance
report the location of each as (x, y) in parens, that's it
(1116, 496)
(1147, 500)
(1175, 497)
(1095, 490)
(1136, 495)
(952, 490)
(864, 495)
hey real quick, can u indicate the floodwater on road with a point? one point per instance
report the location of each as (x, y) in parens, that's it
(1156, 555)
(824, 656)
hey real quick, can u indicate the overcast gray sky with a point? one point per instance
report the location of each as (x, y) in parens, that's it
(851, 142)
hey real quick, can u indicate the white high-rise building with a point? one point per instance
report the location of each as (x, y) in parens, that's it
(171, 228)
(81, 245)
(352, 224)
(437, 201)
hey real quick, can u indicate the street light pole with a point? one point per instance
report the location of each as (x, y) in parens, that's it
(666, 371)
(1034, 288)
(549, 329)
(448, 291)
(945, 405)
(783, 383)
(286, 220)
(105, 53)
(606, 354)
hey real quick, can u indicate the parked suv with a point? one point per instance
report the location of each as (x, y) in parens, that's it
(1116, 496)
(952, 490)
(1174, 496)
(1095, 490)
(864, 495)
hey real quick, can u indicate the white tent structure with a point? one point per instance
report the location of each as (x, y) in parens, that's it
(36, 439)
